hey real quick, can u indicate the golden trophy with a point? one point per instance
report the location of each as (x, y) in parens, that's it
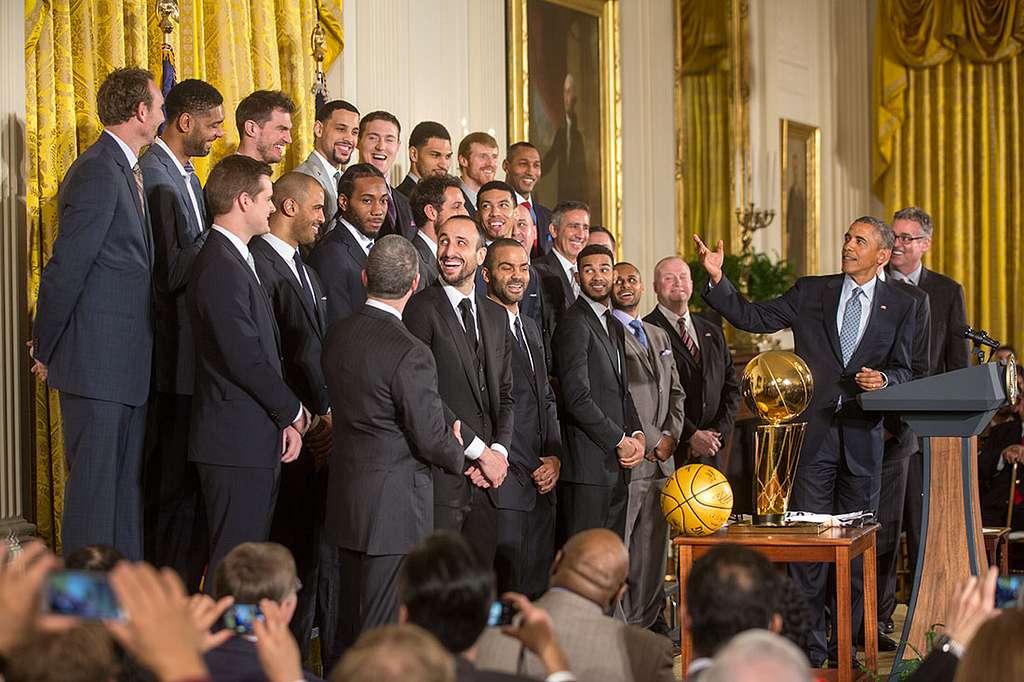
(777, 385)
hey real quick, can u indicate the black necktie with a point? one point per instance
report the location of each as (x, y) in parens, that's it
(393, 212)
(609, 322)
(521, 338)
(304, 278)
(466, 308)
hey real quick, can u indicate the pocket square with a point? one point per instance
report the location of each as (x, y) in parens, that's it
(883, 307)
(666, 353)
(707, 333)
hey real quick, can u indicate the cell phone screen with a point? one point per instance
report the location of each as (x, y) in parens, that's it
(1008, 589)
(240, 618)
(501, 613)
(85, 594)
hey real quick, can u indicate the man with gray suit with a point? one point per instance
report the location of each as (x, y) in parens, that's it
(93, 331)
(334, 139)
(175, 529)
(658, 397)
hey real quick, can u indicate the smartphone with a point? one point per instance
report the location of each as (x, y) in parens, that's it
(1008, 591)
(85, 594)
(240, 618)
(501, 613)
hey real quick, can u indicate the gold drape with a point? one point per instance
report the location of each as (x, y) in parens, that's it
(705, 136)
(949, 126)
(71, 45)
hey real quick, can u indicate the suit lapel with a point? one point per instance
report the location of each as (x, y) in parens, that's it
(880, 305)
(604, 336)
(183, 189)
(261, 294)
(830, 308)
(644, 355)
(459, 334)
(133, 191)
(286, 272)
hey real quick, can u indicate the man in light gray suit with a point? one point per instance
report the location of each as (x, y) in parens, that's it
(334, 139)
(658, 396)
(587, 579)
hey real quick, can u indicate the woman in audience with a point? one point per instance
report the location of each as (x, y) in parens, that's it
(997, 650)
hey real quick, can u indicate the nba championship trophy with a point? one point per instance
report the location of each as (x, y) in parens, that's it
(777, 385)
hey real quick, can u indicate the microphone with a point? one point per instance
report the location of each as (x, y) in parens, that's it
(981, 338)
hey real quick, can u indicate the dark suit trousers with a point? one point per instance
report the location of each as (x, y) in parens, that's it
(526, 549)
(239, 508)
(827, 487)
(582, 507)
(368, 597)
(175, 519)
(890, 516)
(103, 443)
(477, 522)
(913, 506)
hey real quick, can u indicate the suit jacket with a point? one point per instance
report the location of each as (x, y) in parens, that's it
(486, 407)
(555, 287)
(241, 403)
(404, 225)
(593, 379)
(809, 309)
(949, 349)
(407, 186)
(536, 419)
(177, 237)
(902, 441)
(937, 666)
(599, 647)
(994, 483)
(339, 259)
(315, 167)
(302, 325)
(656, 392)
(390, 426)
(236, 660)
(428, 262)
(711, 388)
(470, 207)
(94, 314)
(465, 671)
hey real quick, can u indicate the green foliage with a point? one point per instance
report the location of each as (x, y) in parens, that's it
(760, 279)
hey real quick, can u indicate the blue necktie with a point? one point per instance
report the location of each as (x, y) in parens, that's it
(638, 331)
(851, 325)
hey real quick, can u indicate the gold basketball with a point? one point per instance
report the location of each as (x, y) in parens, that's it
(777, 385)
(696, 499)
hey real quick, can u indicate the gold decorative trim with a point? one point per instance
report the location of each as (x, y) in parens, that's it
(812, 138)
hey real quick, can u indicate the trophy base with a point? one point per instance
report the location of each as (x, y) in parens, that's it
(769, 519)
(747, 526)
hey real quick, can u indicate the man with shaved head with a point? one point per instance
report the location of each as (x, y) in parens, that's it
(297, 299)
(588, 578)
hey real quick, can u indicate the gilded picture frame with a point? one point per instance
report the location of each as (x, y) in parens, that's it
(563, 89)
(800, 146)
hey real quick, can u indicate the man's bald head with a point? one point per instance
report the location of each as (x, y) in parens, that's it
(293, 185)
(593, 564)
(299, 200)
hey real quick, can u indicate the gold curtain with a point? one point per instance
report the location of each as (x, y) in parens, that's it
(705, 132)
(949, 127)
(71, 45)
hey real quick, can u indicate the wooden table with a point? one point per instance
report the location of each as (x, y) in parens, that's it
(839, 546)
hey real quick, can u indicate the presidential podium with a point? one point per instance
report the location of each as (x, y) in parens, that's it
(947, 411)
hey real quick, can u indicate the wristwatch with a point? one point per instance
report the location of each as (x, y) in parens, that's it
(947, 644)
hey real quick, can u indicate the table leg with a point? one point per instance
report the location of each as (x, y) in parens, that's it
(1004, 555)
(871, 607)
(685, 643)
(844, 595)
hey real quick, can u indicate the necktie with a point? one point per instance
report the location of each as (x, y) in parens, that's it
(609, 321)
(252, 265)
(197, 192)
(303, 278)
(688, 341)
(466, 308)
(575, 283)
(368, 247)
(638, 331)
(851, 325)
(393, 212)
(137, 172)
(521, 338)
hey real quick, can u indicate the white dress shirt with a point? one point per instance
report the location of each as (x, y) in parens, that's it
(913, 278)
(867, 297)
(132, 157)
(286, 252)
(673, 320)
(188, 181)
(365, 242)
(568, 267)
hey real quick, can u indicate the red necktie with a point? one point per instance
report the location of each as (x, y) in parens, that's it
(688, 341)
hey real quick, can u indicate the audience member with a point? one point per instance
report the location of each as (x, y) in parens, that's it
(380, 134)
(396, 653)
(434, 200)
(756, 656)
(996, 651)
(478, 164)
(1002, 447)
(93, 558)
(430, 154)
(587, 580)
(84, 653)
(335, 133)
(264, 122)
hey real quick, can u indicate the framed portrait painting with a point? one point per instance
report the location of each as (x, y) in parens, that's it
(563, 75)
(801, 195)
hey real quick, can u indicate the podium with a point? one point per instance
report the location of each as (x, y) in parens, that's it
(948, 411)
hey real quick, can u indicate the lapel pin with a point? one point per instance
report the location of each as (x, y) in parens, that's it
(883, 307)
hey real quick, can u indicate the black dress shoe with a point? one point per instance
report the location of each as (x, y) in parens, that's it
(887, 627)
(887, 643)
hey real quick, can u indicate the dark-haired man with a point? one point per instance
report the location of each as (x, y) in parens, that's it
(175, 528)
(430, 153)
(340, 256)
(433, 201)
(523, 170)
(390, 429)
(93, 332)
(246, 421)
(603, 435)
(335, 133)
(264, 122)
(478, 164)
(380, 135)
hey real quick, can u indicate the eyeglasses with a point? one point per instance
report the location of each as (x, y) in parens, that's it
(908, 238)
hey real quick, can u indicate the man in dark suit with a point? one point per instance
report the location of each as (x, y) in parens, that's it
(245, 418)
(433, 201)
(568, 153)
(430, 154)
(855, 332)
(602, 435)
(478, 164)
(390, 429)
(334, 139)
(469, 337)
(300, 311)
(93, 333)
(339, 257)
(570, 228)
(264, 122)
(703, 361)
(379, 137)
(175, 530)
(525, 501)
(522, 171)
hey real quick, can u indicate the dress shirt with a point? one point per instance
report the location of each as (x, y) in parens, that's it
(512, 317)
(380, 305)
(469, 193)
(476, 448)
(567, 267)
(599, 309)
(133, 158)
(188, 181)
(415, 178)
(913, 278)
(328, 167)
(867, 297)
(520, 199)
(286, 252)
(365, 242)
(673, 319)
(428, 241)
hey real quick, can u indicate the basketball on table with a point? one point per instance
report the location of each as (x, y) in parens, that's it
(696, 499)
